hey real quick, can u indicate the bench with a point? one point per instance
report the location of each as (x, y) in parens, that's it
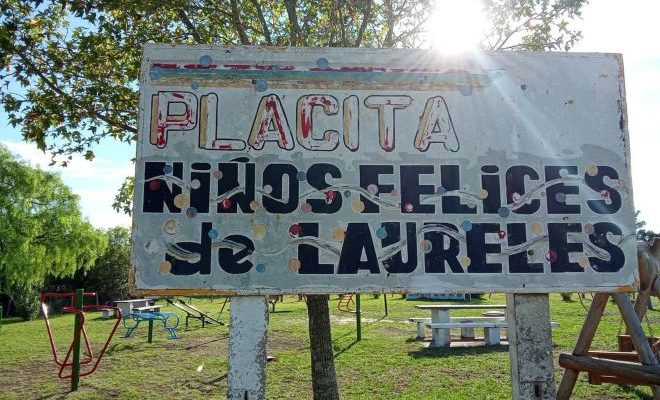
(154, 308)
(491, 330)
(466, 333)
(421, 322)
(491, 326)
(169, 319)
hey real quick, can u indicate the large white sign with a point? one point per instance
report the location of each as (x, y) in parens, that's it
(331, 170)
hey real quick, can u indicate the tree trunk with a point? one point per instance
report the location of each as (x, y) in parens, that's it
(324, 379)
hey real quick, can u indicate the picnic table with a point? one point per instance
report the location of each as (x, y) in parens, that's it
(132, 305)
(169, 319)
(441, 322)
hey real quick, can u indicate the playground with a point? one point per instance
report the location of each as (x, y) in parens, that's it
(387, 363)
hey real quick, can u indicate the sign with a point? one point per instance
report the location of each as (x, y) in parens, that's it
(263, 171)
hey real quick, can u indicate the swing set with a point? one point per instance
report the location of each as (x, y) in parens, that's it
(70, 365)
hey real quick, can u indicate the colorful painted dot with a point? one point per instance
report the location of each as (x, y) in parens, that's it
(605, 194)
(357, 206)
(167, 169)
(408, 207)
(466, 225)
(483, 193)
(588, 229)
(592, 169)
(515, 197)
(425, 246)
(268, 189)
(182, 200)
(194, 85)
(347, 193)
(213, 233)
(440, 191)
(195, 184)
(164, 267)
(381, 233)
(503, 212)
(373, 189)
(560, 197)
(258, 231)
(294, 230)
(330, 196)
(170, 227)
(225, 204)
(261, 268)
(191, 212)
(466, 261)
(154, 185)
(537, 228)
(305, 208)
(338, 234)
(501, 234)
(205, 60)
(217, 174)
(260, 85)
(322, 63)
(294, 265)
(583, 262)
(551, 255)
(254, 205)
(394, 193)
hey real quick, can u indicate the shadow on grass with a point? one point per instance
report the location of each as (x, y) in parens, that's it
(194, 346)
(60, 395)
(340, 352)
(435, 352)
(280, 311)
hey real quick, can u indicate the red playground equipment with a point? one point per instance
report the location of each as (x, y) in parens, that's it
(70, 365)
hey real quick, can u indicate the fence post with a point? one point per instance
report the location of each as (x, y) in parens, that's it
(530, 346)
(248, 337)
(77, 332)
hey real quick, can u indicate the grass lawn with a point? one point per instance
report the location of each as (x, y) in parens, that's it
(387, 364)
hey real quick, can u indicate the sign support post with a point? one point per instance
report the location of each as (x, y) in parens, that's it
(530, 346)
(248, 336)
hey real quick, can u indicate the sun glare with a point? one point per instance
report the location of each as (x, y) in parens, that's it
(456, 25)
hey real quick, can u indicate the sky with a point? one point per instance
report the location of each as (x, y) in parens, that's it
(607, 27)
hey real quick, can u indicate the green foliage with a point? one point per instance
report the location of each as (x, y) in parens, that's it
(109, 275)
(540, 25)
(42, 231)
(71, 67)
(27, 301)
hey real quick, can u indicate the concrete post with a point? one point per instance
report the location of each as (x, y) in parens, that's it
(248, 338)
(530, 346)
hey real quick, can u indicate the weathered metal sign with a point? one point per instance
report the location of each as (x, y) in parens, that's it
(331, 170)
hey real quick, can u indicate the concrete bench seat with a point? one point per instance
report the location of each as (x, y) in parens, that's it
(491, 326)
(467, 326)
(155, 308)
(421, 332)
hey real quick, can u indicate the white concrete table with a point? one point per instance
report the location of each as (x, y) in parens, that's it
(127, 306)
(440, 313)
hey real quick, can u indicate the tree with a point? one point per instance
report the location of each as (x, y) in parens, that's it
(109, 275)
(644, 235)
(72, 65)
(42, 231)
